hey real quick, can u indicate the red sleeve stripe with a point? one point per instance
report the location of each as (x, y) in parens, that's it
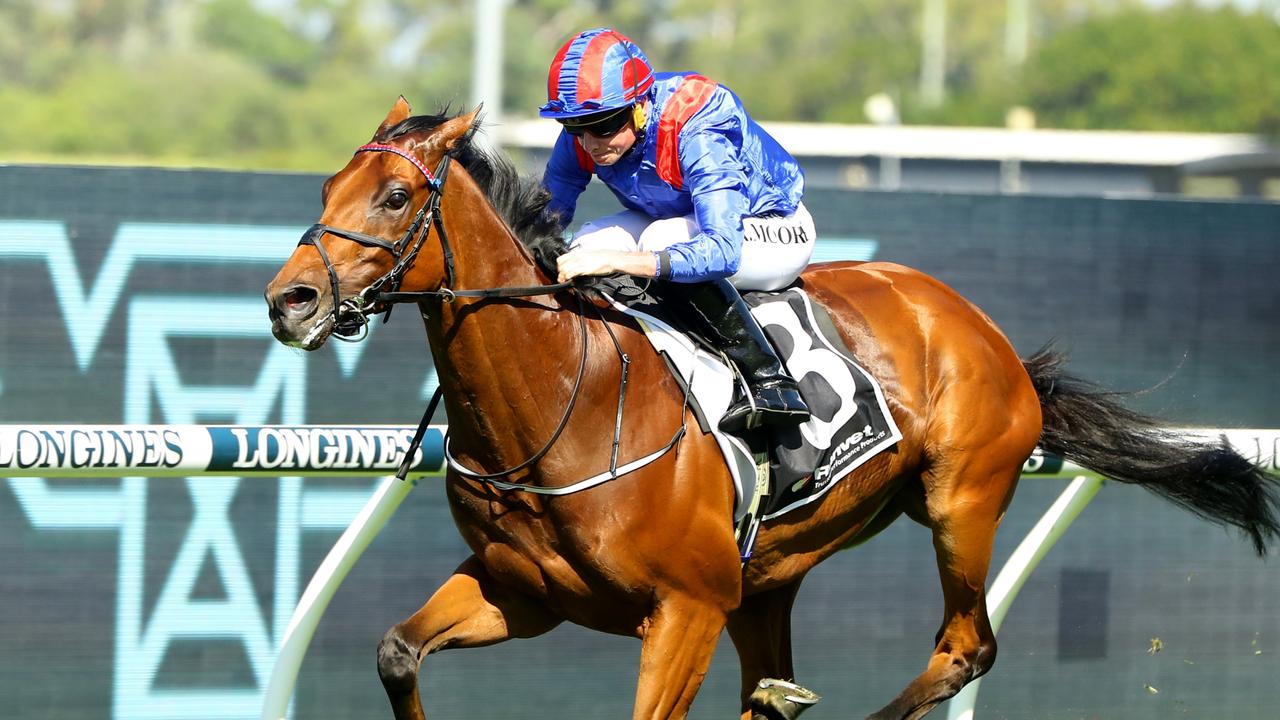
(689, 98)
(584, 158)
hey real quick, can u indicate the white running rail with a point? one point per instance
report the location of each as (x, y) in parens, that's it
(100, 451)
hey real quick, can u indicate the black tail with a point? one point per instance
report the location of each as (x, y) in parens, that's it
(1088, 426)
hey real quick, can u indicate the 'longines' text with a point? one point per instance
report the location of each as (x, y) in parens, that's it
(320, 448)
(91, 449)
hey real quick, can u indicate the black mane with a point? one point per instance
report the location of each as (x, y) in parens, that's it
(520, 201)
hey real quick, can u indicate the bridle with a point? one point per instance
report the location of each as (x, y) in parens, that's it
(350, 316)
(350, 321)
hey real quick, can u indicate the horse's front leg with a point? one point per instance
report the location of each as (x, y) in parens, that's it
(470, 609)
(679, 640)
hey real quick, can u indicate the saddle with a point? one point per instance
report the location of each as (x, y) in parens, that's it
(779, 469)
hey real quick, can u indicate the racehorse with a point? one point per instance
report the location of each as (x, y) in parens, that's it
(534, 376)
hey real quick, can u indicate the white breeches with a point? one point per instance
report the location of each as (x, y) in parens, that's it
(774, 249)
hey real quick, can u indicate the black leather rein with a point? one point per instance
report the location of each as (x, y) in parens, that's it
(350, 316)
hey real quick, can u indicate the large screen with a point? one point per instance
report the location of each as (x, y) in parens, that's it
(135, 296)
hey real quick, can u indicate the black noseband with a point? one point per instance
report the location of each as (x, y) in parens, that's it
(350, 316)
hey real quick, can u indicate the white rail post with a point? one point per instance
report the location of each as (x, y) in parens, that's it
(306, 616)
(1019, 567)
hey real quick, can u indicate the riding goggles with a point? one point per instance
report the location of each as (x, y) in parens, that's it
(602, 125)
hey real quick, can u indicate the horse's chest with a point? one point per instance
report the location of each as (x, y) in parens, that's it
(533, 550)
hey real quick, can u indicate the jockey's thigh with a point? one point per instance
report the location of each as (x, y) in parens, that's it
(775, 250)
(620, 231)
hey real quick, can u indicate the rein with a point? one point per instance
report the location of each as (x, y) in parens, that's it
(612, 473)
(350, 317)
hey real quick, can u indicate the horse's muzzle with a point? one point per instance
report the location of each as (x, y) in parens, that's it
(290, 308)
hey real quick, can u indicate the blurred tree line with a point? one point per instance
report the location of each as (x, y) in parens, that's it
(294, 84)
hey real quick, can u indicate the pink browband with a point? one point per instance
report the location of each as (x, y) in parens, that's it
(379, 147)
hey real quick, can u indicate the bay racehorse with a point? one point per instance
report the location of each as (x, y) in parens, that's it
(532, 389)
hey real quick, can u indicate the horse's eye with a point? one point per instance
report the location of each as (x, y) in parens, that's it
(397, 199)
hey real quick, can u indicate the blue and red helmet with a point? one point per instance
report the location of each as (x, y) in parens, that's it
(596, 71)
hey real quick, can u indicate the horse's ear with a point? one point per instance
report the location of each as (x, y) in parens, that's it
(455, 131)
(399, 113)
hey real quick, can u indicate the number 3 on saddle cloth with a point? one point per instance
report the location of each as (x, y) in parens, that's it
(850, 421)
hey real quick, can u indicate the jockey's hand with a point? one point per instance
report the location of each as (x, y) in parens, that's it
(577, 263)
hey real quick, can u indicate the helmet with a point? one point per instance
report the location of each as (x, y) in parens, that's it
(596, 71)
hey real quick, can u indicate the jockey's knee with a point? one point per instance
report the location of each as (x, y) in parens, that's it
(615, 232)
(662, 234)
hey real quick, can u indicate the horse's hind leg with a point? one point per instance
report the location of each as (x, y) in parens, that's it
(469, 610)
(965, 497)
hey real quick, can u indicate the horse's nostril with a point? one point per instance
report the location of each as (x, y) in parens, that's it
(294, 304)
(299, 297)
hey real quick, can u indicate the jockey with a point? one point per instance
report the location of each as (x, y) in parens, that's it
(712, 201)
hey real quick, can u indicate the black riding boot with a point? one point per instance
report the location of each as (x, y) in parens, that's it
(774, 398)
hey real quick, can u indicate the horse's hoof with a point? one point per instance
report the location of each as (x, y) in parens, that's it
(780, 700)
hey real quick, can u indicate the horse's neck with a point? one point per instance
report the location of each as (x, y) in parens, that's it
(486, 253)
(506, 365)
